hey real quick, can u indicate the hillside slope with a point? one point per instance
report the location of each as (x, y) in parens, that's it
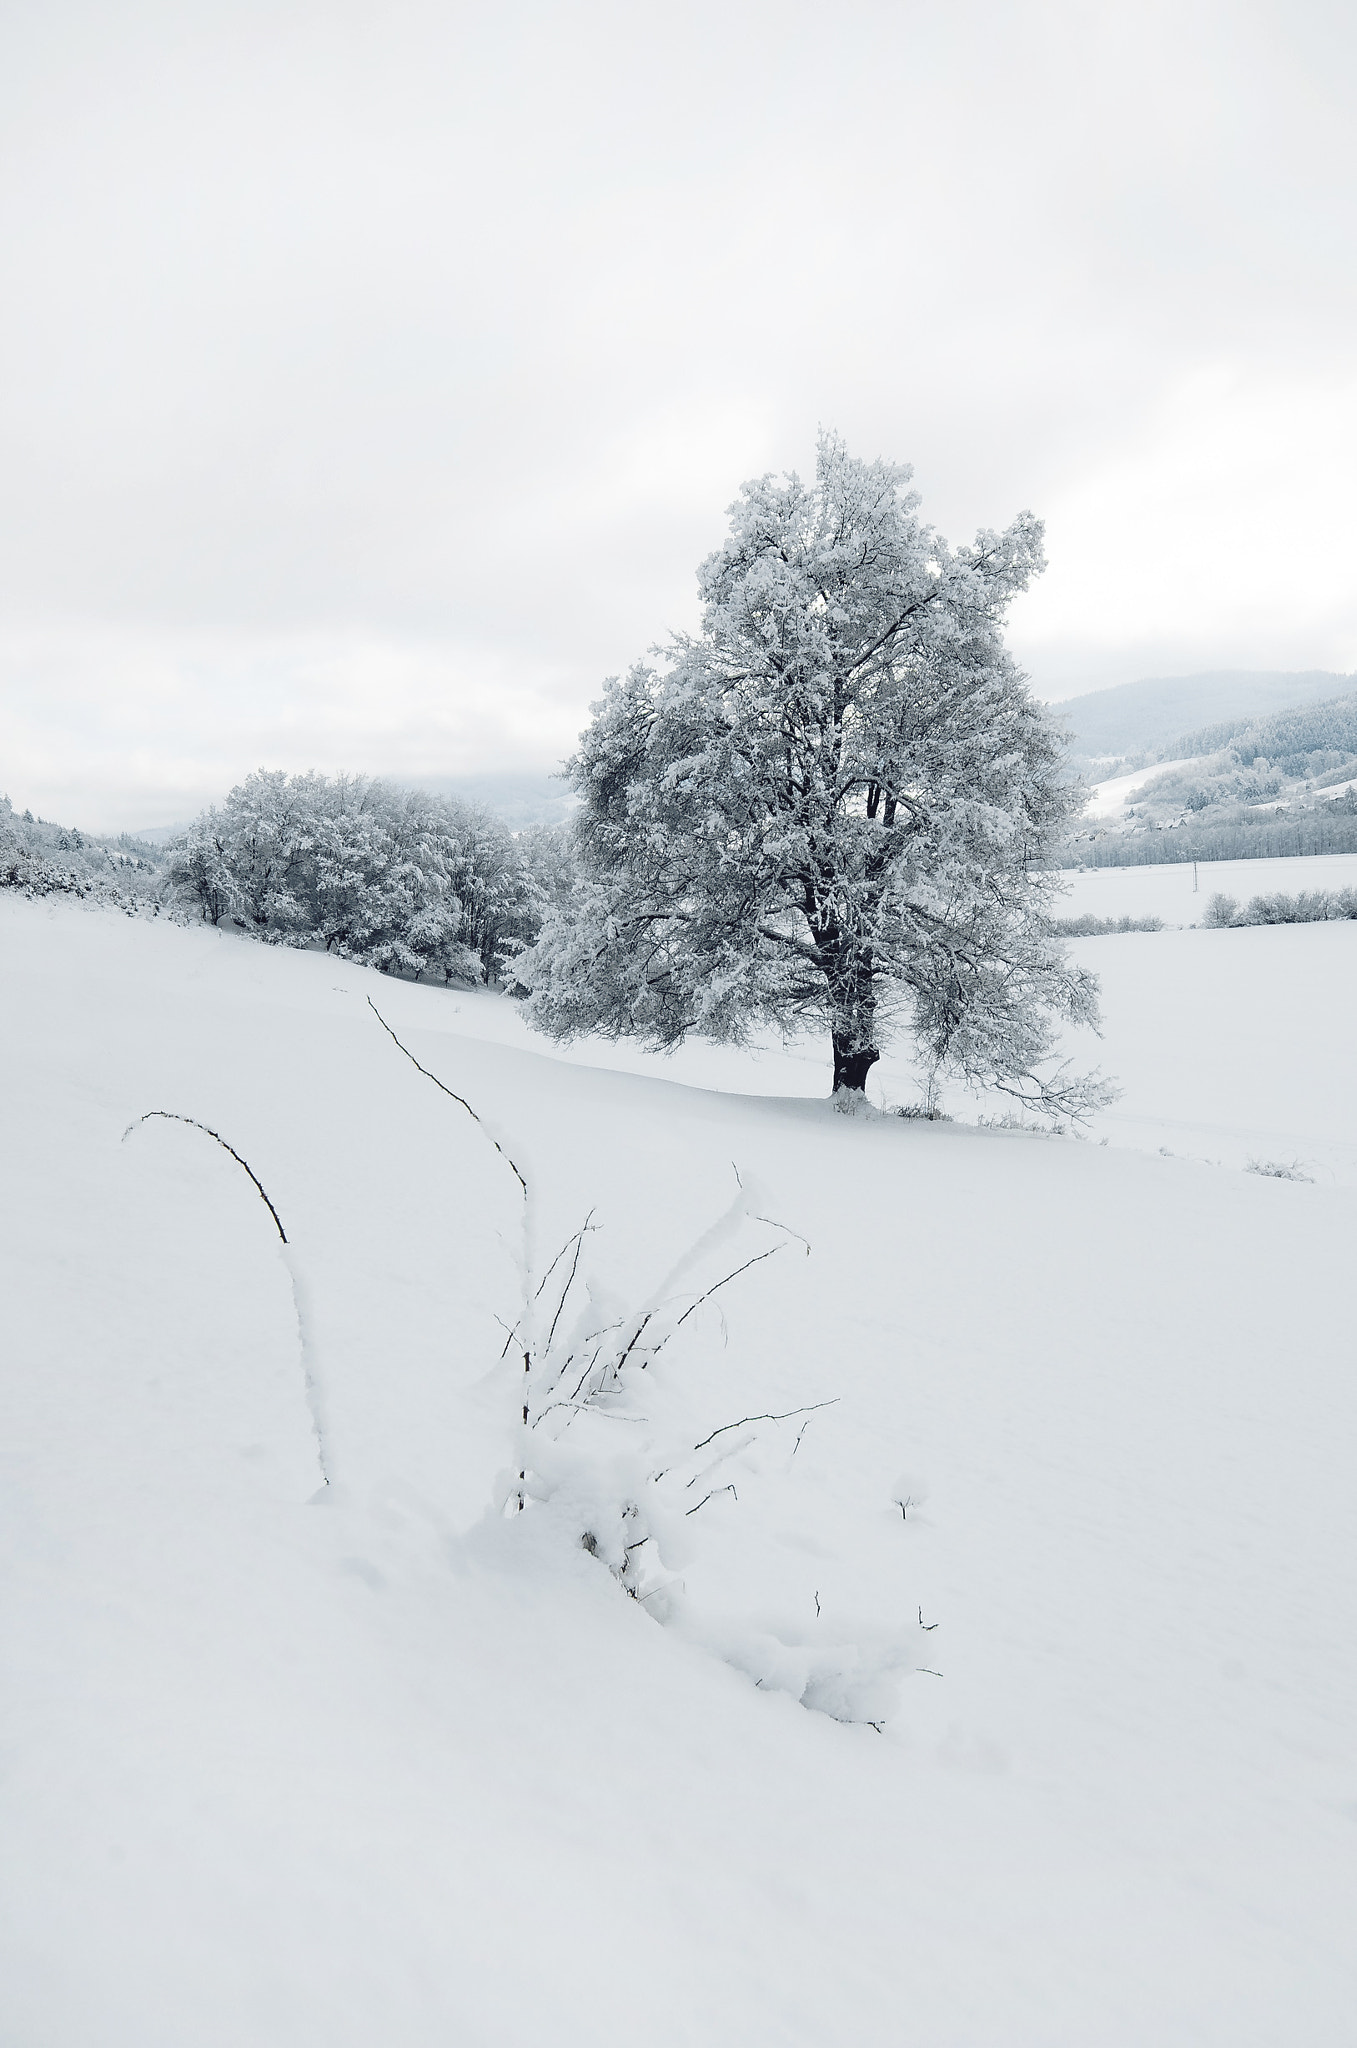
(1136, 718)
(291, 1763)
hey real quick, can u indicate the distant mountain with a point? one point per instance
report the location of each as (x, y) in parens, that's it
(519, 800)
(159, 835)
(1147, 717)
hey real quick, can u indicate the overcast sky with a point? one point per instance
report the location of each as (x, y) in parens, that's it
(373, 376)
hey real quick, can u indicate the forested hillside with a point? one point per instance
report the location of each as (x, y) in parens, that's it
(1143, 720)
(1239, 789)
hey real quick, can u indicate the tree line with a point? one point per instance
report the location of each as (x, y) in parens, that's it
(1328, 828)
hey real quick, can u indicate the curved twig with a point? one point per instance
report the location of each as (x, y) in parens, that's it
(453, 1093)
(171, 1116)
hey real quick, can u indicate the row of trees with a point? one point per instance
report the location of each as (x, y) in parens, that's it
(1262, 835)
(404, 881)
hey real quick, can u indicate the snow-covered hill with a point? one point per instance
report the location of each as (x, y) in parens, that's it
(287, 1763)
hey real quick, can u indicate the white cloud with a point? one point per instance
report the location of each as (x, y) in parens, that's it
(374, 377)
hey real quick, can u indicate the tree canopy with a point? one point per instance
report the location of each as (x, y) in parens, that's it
(399, 879)
(834, 801)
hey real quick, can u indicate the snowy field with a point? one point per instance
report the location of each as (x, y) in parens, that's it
(1166, 890)
(290, 1763)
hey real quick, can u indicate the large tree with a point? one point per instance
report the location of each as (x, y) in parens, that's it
(834, 801)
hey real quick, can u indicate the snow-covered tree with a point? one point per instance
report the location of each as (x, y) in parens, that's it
(833, 801)
(399, 879)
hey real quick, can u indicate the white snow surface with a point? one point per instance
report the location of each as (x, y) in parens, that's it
(388, 1765)
(1165, 889)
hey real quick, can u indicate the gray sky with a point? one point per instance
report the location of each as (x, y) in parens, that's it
(373, 376)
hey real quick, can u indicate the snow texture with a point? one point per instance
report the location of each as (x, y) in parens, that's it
(296, 1764)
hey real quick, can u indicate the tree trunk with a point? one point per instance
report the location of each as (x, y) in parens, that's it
(852, 1063)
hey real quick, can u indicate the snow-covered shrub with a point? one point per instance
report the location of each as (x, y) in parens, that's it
(1311, 906)
(402, 880)
(609, 1460)
(1278, 1169)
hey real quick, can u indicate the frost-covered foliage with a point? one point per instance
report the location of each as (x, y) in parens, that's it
(401, 880)
(1312, 906)
(835, 800)
(43, 859)
(1294, 740)
(1088, 927)
(1297, 830)
(1221, 779)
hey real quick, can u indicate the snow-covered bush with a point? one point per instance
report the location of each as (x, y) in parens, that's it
(399, 879)
(1278, 1169)
(608, 1458)
(1311, 906)
(611, 1459)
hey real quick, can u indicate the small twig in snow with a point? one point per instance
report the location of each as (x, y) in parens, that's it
(574, 1268)
(172, 1117)
(926, 1626)
(587, 1370)
(711, 1496)
(453, 1093)
(561, 1254)
(713, 1289)
(617, 1369)
(717, 1285)
(774, 1224)
(311, 1389)
(785, 1416)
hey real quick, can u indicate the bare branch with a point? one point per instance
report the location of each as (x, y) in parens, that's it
(716, 1287)
(453, 1093)
(711, 1496)
(574, 1268)
(171, 1117)
(784, 1417)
